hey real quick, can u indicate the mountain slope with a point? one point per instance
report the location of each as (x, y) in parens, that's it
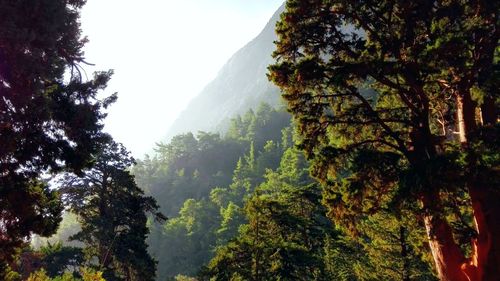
(240, 85)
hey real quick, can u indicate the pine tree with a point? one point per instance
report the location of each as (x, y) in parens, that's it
(112, 212)
(48, 122)
(205, 192)
(59, 259)
(188, 239)
(285, 232)
(371, 85)
(394, 249)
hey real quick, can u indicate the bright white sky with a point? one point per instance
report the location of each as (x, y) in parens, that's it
(164, 52)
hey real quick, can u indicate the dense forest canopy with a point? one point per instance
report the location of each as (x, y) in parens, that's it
(265, 220)
(382, 163)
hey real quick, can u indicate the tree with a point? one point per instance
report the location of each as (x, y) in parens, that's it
(371, 85)
(112, 212)
(58, 259)
(86, 275)
(49, 122)
(393, 249)
(286, 231)
(188, 239)
(202, 183)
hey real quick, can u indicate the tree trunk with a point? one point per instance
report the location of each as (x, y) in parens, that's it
(484, 262)
(491, 210)
(489, 112)
(448, 257)
(406, 274)
(465, 116)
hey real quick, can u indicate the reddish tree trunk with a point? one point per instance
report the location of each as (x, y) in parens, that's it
(492, 217)
(450, 262)
(484, 262)
(448, 257)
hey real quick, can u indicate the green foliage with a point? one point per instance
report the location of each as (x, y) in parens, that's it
(187, 167)
(374, 87)
(68, 227)
(112, 212)
(91, 275)
(267, 222)
(370, 87)
(39, 276)
(202, 183)
(59, 259)
(188, 238)
(184, 278)
(86, 275)
(285, 233)
(48, 123)
(394, 249)
(9, 274)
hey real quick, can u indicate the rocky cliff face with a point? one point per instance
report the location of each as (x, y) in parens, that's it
(240, 85)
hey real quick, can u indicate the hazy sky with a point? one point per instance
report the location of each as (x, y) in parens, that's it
(164, 52)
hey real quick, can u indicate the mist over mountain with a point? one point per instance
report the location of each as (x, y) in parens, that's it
(240, 85)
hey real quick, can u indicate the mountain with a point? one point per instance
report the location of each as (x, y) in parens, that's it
(240, 85)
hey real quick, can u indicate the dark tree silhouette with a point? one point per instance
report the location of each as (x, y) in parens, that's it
(49, 121)
(113, 214)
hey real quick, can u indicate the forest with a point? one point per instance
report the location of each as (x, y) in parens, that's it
(381, 162)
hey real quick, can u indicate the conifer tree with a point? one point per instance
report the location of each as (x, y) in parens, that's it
(285, 232)
(112, 212)
(203, 183)
(374, 86)
(48, 122)
(393, 249)
(188, 239)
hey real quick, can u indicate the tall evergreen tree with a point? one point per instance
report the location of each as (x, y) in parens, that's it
(203, 183)
(392, 248)
(374, 86)
(188, 239)
(48, 122)
(285, 233)
(112, 212)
